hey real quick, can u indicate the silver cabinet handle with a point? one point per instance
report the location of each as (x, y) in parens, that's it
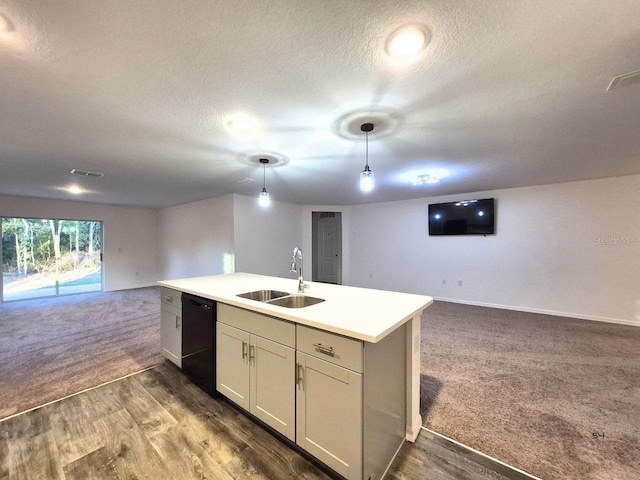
(252, 352)
(244, 349)
(323, 349)
(298, 375)
(178, 321)
(168, 298)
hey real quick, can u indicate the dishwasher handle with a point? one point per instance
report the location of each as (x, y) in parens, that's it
(198, 304)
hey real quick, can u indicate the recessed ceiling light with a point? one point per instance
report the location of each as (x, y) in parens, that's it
(407, 41)
(241, 125)
(424, 179)
(76, 190)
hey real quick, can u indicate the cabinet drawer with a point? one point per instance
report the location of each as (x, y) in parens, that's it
(173, 311)
(171, 297)
(259, 324)
(330, 347)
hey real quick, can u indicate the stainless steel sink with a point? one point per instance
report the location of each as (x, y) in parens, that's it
(263, 295)
(296, 301)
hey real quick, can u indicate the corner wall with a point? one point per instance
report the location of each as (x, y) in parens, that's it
(265, 238)
(196, 238)
(228, 234)
(130, 250)
(568, 249)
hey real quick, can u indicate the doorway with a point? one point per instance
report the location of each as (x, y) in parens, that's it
(326, 231)
(46, 257)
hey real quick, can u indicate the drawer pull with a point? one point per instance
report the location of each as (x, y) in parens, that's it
(252, 352)
(322, 349)
(177, 321)
(244, 349)
(168, 298)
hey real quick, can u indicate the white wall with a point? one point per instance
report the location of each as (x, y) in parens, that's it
(558, 249)
(130, 250)
(554, 250)
(265, 238)
(197, 238)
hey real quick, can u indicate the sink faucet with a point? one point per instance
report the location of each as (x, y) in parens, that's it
(297, 255)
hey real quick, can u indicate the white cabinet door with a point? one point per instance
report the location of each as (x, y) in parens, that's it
(273, 385)
(329, 414)
(232, 364)
(171, 334)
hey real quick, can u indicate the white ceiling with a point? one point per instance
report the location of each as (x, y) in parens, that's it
(508, 93)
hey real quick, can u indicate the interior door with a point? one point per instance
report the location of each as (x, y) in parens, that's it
(329, 243)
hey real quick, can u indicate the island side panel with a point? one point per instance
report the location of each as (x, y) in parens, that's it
(414, 419)
(384, 402)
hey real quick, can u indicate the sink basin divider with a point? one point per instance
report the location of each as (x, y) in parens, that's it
(281, 299)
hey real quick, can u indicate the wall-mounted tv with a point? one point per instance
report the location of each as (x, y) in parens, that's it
(465, 217)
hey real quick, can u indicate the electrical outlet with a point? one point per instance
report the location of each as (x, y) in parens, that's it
(459, 283)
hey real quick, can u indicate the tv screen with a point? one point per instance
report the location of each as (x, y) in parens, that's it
(465, 217)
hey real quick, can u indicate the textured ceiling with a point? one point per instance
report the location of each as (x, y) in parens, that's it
(508, 93)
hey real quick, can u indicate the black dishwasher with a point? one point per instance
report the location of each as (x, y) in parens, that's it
(198, 341)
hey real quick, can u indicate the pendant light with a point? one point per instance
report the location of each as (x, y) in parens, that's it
(264, 200)
(366, 176)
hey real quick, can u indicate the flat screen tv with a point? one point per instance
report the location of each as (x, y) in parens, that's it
(465, 217)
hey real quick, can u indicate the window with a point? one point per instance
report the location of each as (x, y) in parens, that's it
(44, 257)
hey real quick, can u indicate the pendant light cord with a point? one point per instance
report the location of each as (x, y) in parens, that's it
(264, 175)
(367, 149)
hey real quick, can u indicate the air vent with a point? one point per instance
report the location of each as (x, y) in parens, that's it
(327, 214)
(246, 180)
(624, 80)
(86, 173)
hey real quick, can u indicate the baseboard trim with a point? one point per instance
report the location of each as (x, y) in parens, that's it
(412, 431)
(133, 287)
(533, 477)
(619, 321)
(76, 393)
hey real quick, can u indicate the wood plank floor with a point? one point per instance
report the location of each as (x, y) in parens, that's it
(157, 425)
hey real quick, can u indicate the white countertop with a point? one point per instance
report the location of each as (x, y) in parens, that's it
(361, 313)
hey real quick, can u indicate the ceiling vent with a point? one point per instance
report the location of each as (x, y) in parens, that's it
(86, 173)
(624, 80)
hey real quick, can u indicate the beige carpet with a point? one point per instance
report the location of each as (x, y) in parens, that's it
(532, 389)
(51, 348)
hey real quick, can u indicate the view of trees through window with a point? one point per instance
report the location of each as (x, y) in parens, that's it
(48, 257)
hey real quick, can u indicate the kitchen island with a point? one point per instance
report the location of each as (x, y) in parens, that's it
(367, 340)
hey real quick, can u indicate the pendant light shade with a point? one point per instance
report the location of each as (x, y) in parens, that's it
(367, 182)
(263, 199)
